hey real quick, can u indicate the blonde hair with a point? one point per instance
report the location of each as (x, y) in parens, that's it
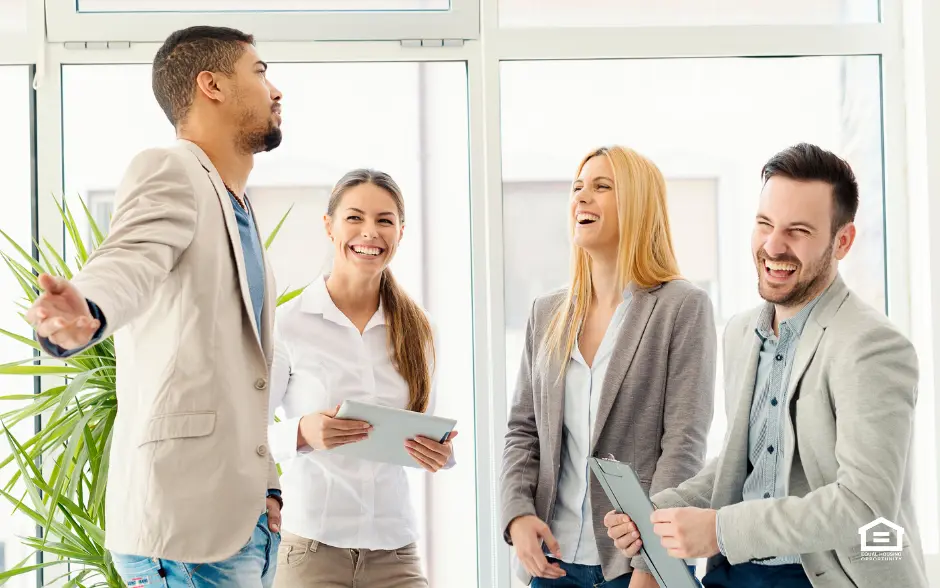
(410, 338)
(645, 257)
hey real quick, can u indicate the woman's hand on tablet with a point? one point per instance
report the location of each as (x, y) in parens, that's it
(322, 430)
(429, 453)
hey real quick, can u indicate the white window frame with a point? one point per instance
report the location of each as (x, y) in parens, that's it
(66, 24)
(380, 38)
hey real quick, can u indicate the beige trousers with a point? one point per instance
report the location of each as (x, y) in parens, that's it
(305, 563)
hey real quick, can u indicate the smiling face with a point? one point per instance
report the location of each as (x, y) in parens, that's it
(793, 245)
(594, 208)
(365, 228)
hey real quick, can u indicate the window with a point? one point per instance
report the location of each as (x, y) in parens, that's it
(275, 20)
(15, 168)
(101, 206)
(709, 127)
(409, 119)
(606, 13)
(257, 5)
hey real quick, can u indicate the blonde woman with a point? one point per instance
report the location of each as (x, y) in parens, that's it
(620, 363)
(353, 334)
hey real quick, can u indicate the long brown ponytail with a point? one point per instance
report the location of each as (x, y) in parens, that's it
(410, 339)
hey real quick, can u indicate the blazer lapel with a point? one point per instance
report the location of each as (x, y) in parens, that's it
(555, 407)
(270, 293)
(231, 224)
(622, 356)
(733, 469)
(809, 340)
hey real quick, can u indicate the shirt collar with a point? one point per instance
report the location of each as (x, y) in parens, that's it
(316, 300)
(795, 324)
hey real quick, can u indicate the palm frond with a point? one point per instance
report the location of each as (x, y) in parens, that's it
(66, 496)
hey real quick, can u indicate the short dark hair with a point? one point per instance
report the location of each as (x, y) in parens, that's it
(807, 162)
(184, 55)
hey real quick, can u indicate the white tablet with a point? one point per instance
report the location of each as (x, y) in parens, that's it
(391, 427)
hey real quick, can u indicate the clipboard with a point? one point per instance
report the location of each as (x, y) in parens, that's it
(626, 494)
(391, 427)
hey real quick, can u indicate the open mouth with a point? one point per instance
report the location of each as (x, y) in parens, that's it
(366, 251)
(779, 271)
(586, 218)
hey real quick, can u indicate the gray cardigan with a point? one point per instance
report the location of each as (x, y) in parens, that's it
(655, 408)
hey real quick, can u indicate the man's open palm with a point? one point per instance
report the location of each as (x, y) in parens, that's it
(61, 314)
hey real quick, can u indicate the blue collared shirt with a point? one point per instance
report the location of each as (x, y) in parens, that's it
(254, 262)
(766, 421)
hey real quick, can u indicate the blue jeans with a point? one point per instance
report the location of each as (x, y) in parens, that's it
(752, 575)
(252, 567)
(582, 576)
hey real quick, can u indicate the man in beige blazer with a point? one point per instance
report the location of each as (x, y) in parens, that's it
(820, 394)
(183, 284)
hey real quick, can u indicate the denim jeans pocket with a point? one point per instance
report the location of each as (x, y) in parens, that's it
(138, 571)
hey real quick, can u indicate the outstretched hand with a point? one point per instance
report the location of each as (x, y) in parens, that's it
(61, 314)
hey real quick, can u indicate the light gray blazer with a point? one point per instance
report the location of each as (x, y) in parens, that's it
(851, 400)
(190, 465)
(655, 408)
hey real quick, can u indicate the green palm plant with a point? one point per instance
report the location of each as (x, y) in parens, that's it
(64, 467)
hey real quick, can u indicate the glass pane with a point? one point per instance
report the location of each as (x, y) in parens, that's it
(13, 16)
(601, 13)
(16, 221)
(710, 128)
(259, 5)
(416, 129)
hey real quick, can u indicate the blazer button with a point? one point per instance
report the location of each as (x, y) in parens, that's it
(261, 384)
(262, 450)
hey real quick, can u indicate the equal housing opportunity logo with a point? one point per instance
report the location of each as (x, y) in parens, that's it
(881, 540)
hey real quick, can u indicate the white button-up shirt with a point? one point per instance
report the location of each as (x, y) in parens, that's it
(572, 523)
(321, 360)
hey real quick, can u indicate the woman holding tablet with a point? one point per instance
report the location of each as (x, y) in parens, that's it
(619, 364)
(353, 334)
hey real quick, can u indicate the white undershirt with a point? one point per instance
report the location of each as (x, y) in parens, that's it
(572, 523)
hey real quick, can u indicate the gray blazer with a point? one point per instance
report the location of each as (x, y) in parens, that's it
(851, 400)
(655, 408)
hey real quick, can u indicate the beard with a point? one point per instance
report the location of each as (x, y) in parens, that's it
(260, 140)
(256, 134)
(805, 289)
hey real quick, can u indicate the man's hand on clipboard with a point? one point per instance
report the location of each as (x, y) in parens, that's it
(687, 532)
